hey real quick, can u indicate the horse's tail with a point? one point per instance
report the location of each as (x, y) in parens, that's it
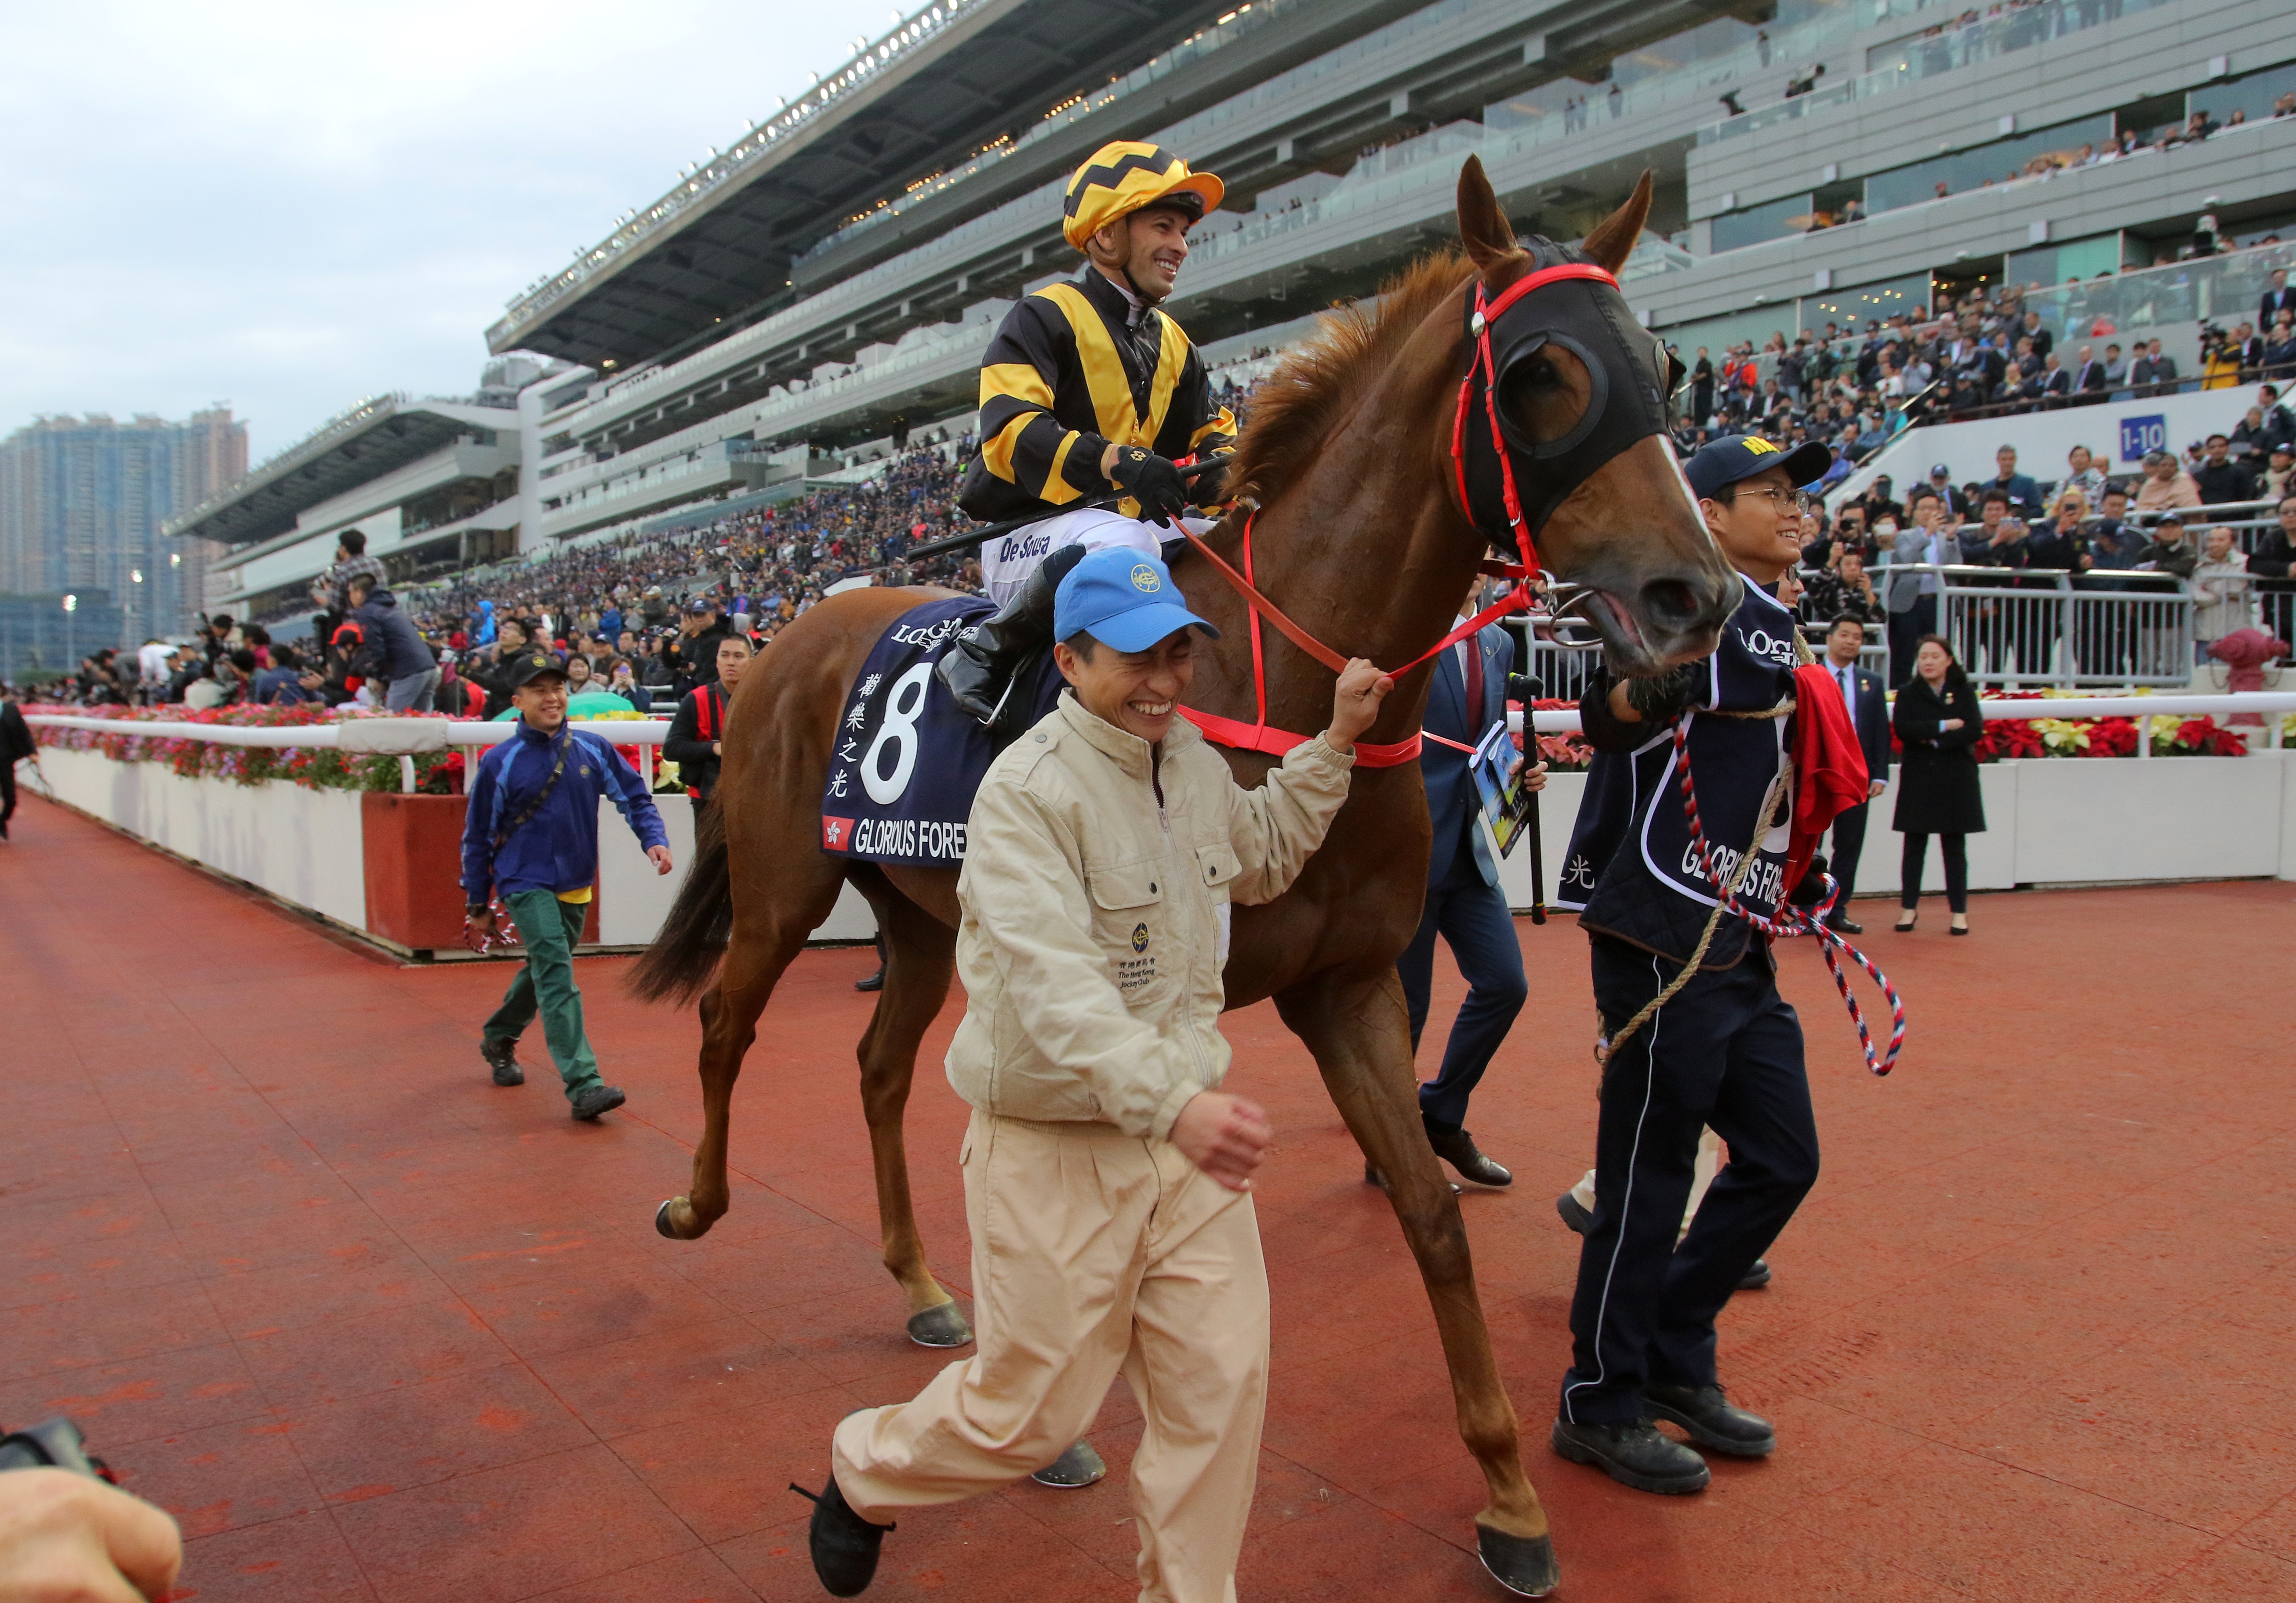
(684, 954)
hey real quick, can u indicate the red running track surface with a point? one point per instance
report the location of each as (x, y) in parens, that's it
(374, 1328)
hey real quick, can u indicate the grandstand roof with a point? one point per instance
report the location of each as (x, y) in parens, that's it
(361, 444)
(947, 83)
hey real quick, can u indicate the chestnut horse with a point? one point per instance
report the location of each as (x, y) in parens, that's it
(1361, 536)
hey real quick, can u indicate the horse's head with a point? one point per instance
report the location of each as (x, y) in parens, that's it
(1561, 439)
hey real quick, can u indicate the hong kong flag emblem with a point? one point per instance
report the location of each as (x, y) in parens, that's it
(836, 833)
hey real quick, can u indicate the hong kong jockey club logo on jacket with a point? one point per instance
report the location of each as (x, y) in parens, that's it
(1140, 938)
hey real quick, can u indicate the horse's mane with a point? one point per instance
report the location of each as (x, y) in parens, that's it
(1318, 382)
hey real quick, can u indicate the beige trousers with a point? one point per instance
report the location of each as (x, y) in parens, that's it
(1702, 1175)
(1093, 1252)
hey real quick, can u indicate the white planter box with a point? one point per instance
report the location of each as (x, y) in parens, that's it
(304, 846)
(2055, 820)
(632, 899)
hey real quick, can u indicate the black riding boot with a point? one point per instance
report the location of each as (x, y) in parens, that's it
(979, 670)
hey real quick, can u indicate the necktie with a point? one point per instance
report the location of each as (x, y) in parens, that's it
(1474, 650)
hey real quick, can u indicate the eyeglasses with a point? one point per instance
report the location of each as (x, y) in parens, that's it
(1783, 500)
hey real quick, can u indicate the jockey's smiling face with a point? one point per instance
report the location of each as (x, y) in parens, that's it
(1135, 691)
(1758, 524)
(1147, 247)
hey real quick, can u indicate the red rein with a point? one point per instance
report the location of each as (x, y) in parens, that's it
(1275, 742)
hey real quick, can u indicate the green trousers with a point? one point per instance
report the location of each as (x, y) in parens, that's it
(548, 929)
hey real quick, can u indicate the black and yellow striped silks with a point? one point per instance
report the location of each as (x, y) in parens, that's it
(1122, 177)
(1067, 375)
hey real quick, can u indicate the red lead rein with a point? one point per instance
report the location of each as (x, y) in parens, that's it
(1793, 921)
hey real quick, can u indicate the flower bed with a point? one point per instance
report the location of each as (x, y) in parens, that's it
(315, 767)
(2173, 736)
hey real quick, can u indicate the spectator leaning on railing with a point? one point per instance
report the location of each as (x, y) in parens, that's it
(2166, 485)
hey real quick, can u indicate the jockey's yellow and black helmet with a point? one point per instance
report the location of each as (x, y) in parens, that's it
(1125, 175)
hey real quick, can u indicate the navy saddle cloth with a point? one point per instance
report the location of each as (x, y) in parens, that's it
(908, 759)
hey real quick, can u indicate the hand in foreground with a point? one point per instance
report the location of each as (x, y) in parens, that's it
(1534, 778)
(479, 931)
(1224, 1136)
(1355, 703)
(67, 1539)
(1874, 788)
(658, 855)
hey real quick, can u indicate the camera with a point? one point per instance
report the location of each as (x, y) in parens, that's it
(54, 1443)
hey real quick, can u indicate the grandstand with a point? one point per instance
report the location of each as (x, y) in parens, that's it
(798, 306)
(1340, 125)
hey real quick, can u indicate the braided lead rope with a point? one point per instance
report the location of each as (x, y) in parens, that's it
(1793, 921)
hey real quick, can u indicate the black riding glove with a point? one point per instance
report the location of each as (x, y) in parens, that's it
(1811, 890)
(1153, 482)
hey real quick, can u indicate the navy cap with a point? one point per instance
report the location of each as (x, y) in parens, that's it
(1122, 598)
(529, 666)
(1723, 462)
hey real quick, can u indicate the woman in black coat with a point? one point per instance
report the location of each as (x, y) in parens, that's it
(1938, 720)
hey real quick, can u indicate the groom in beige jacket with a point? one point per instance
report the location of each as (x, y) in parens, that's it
(1106, 1174)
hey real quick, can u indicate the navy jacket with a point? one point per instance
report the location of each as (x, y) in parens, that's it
(1630, 872)
(1869, 715)
(393, 649)
(1452, 802)
(556, 849)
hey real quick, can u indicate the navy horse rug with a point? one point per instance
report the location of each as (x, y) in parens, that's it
(908, 759)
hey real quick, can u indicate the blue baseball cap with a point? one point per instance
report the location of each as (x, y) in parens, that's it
(1720, 463)
(1124, 599)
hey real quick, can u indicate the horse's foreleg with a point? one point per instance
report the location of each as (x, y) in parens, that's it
(1361, 1033)
(919, 960)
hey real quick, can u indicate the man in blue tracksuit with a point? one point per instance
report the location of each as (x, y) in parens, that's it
(530, 837)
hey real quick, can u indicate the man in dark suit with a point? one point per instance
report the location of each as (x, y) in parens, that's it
(2089, 378)
(1869, 715)
(2276, 299)
(1464, 905)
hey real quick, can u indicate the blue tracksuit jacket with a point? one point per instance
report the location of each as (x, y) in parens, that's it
(558, 847)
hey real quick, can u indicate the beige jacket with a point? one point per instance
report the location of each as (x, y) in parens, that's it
(1095, 921)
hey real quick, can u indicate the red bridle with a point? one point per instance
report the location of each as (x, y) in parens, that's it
(1259, 736)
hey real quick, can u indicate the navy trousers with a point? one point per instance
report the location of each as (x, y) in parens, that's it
(1473, 920)
(1848, 846)
(1727, 1052)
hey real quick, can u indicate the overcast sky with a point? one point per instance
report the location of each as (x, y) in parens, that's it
(289, 206)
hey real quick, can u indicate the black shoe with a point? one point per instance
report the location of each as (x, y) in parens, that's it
(1845, 926)
(1634, 1455)
(1758, 1275)
(980, 668)
(1373, 1177)
(502, 1057)
(875, 982)
(1457, 1148)
(589, 1103)
(1574, 1216)
(1712, 1423)
(844, 1545)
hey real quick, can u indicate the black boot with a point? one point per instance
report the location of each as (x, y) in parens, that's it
(979, 669)
(1634, 1455)
(1705, 1412)
(843, 1546)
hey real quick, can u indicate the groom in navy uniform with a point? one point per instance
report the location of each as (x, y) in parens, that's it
(1464, 905)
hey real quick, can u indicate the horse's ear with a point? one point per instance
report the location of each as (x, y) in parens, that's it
(1613, 239)
(1483, 228)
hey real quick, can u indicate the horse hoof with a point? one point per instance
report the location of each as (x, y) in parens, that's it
(942, 1325)
(666, 1219)
(1079, 1466)
(1524, 1564)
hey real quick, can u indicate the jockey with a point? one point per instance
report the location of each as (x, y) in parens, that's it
(1087, 390)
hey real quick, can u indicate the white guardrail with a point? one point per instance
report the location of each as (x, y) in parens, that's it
(406, 737)
(402, 738)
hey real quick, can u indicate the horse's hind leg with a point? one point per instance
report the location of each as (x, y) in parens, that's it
(1360, 1034)
(770, 926)
(920, 957)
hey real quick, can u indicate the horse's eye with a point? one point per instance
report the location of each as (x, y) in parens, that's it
(1546, 394)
